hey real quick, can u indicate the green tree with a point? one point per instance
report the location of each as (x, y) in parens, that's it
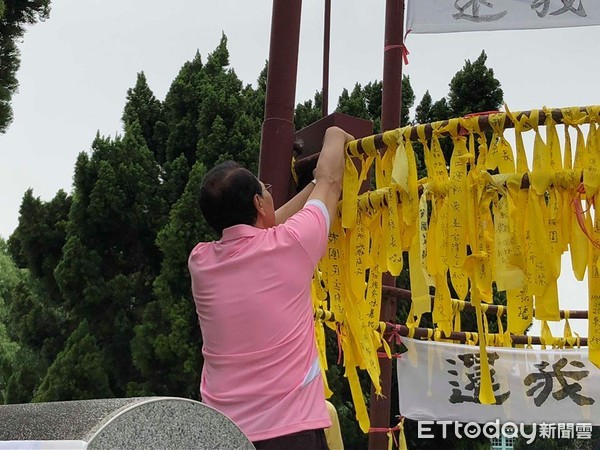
(408, 100)
(181, 111)
(354, 103)
(365, 102)
(210, 116)
(226, 125)
(15, 16)
(474, 89)
(256, 97)
(26, 375)
(110, 258)
(145, 109)
(228, 118)
(30, 331)
(33, 322)
(308, 112)
(428, 112)
(37, 242)
(166, 348)
(39, 330)
(9, 277)
(79, 371)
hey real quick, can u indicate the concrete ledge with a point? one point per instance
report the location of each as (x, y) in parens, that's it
(148, 422)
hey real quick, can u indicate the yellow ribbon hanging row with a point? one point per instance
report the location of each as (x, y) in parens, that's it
(484, 217)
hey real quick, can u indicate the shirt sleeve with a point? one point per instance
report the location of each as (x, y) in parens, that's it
(310, 227)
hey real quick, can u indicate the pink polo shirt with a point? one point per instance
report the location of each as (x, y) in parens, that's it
(252, 295)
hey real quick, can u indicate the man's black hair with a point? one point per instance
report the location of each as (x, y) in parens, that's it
(227, 196)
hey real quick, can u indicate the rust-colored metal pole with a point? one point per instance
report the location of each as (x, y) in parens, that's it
(391, 102)
(277, 140)
(326, 41)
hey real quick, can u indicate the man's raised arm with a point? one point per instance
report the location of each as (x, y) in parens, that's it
(330, 169)
(328, 177)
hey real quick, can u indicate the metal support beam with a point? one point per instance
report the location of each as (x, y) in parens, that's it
(326, 45)
(391, 102)
(277, 138)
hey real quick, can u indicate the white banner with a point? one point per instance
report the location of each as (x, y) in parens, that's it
(439, 381)
(43, 445)
(445, 16)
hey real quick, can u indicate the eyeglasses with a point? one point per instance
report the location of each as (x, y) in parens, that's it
(268, 187)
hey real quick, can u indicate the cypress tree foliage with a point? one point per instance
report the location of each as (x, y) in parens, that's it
(308, 112)
(474, 89)
(229, 122)
(31, 331)
(15, 16)
(366, 102)
(142, 106)
(210, 117)
(256, 97)
(39, 329)
(26, 375)
(427, 111)
(174, 177)
(37, 242)
(110, 258)
(354, 103)
(79, 371)
(408, 100)
(9, 277)
(181, 111)
(363, 102)
(32, 322)
(167, 343)
(226, 126)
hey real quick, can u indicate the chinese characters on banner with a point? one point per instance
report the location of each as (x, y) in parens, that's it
(445, 16)
(440, 381)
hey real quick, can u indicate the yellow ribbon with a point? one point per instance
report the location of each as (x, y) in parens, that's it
(594, 289)
(500, 154)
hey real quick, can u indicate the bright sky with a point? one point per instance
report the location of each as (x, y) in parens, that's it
(77, 66)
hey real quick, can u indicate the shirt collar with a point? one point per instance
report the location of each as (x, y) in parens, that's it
(239, 231)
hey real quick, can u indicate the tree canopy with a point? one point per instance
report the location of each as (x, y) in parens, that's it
(15, 15)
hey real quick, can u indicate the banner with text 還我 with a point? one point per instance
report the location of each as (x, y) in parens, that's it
(440, 381)
(443, 16)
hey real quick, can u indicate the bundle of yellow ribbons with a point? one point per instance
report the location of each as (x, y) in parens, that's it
(475, 223)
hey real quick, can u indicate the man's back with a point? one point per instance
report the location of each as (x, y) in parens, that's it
(252, 296)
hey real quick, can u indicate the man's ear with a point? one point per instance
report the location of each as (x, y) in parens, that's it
(258, 204)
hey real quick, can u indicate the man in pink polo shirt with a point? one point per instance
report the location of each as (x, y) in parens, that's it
(252, 295)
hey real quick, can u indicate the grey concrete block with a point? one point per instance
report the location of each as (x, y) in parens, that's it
(133, 423)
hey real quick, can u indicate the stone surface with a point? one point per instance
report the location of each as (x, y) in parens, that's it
(133, 423)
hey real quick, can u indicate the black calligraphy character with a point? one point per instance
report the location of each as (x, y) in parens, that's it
(472, 362)
(545, 4)
(545, 381)
(474, 15)
(567, 7)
